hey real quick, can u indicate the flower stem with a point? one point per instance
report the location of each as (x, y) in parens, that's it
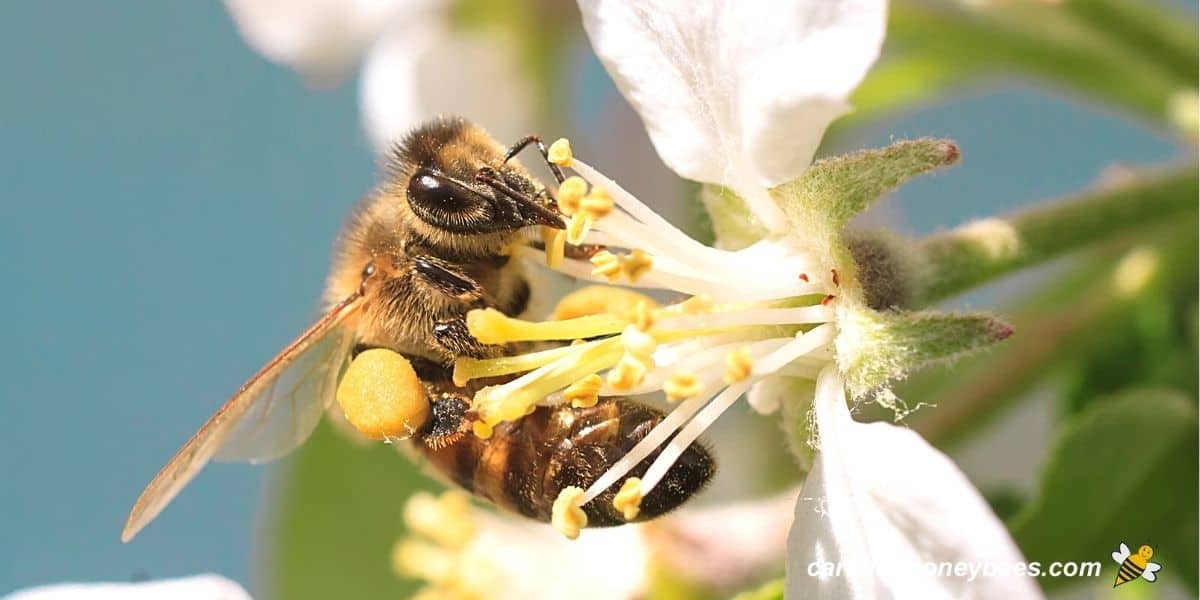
(1053, 328)
(978, 252)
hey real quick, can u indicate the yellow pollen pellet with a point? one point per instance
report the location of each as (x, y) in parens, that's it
(598, 299)
(570, 192)
(628, 372)
(636, 264)
(560, 152)
(381, 395)
(738, 365)
(606, 264)
(598, 203)
(681, 385)
(566, 516)
(584, 393)
(481, 430)
(629, 499)
(556, 243)
(638, 343)
(578, 228)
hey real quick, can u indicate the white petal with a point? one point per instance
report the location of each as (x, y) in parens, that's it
(885, 505)
(524, 560)
(420, 70)
(197, 587)
(737, 92)
(322, 39)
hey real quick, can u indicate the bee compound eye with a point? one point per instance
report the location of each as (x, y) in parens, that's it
(382, 397)
(446, 203)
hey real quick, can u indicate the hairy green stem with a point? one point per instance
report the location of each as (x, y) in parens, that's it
(1156, 31)
(957, 260)
(1053, 327)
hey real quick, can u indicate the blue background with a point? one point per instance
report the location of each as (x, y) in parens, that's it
(169, 201)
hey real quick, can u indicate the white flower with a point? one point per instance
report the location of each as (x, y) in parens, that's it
(739, 93)
(415, 65)
(197, 587)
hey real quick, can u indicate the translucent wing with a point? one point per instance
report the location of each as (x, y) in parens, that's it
(1121, 554)
(287, 410)
(275, 410)
(1151, 569)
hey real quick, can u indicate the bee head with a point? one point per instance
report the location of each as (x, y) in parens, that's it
(456, 206)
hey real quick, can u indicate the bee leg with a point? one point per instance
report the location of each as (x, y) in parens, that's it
(448, 420)
(533, 139)
(446, 279)
(539, 207)
(456, 340)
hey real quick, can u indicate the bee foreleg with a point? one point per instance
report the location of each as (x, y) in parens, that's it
(443, 277)
(456, 340)
(537, 141)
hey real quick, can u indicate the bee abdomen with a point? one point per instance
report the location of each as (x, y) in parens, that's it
(525, 464)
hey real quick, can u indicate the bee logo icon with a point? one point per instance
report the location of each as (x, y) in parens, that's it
(1134, 565)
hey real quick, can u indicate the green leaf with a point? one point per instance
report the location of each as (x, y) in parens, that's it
(333, 518)
(1124, 470)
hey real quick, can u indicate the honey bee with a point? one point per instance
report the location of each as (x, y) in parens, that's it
(1132, 565)
(431, 243)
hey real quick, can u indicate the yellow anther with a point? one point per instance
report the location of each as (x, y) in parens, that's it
(555, 241)
(681, 385)
(584, 393)
(446, 519)
(597, 299)
(560, 152)
(566, 516)
(481, 430)
(628, 372)
(570, 192)
(412, 557)
(606, 264)
(629, 499)
(636, 264)
(382, 397)
(578, 228)
(638, 343)
(738, 365)
(598, 203)
(643, 315)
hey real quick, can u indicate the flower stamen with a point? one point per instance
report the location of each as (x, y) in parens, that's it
(566, 515)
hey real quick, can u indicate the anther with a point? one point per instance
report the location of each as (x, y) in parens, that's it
(629, 499)
(565, 515)
(738, 365)
(585, 392)
(682, 385)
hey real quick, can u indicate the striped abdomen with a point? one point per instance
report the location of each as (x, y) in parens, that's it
(525, 464)
(1128, 572)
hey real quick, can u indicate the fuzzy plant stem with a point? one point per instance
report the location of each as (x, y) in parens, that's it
(962, 258)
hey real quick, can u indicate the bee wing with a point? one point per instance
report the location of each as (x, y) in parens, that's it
(286, 411)
(1151, 569)
(276, 409)
(1121, 554)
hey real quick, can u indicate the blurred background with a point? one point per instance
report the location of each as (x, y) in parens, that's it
(170, 200)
